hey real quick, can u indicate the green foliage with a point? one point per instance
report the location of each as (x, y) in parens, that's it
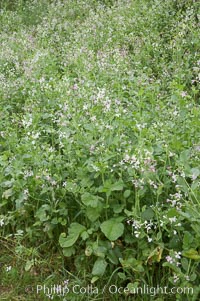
(112, 228)
(100, 143)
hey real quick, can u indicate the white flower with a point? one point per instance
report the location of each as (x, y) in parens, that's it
(92, 148)
(169, 259)
(8, 268)
(174, 178)
(26, 192)
(178, 255)
(126, 158)
(183, 93)
(1, 222)
(66, 282)
(137, 234)
(150, 239)
(172, 219)
(85, 107)
(176, 278)
(93, 118)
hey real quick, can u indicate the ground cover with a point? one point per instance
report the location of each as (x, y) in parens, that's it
(99, 150)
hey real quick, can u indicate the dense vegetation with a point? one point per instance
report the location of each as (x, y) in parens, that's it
(99, 149)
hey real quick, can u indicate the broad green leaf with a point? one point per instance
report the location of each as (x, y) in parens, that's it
(181, 181)
(112, 229)
(175, 242)
(172, 213)
(7, 193)
(99, 267)
(195, 172)
(185, 156)
(108, 186)
(94, 213)
(74, 231)
(94, 279)
(133, 264)
(158, 149)
(129, 262)
(84, 235)
(193, 277)
(184, 263)
(196, 227)
(147, 214)
(67, 252)
(132, 287)
(187, 239)
(117, 186)
(113, 257)
(100, 251)
(29, 264)
(41, 213)
(89, 199)
(66, 242)
(159, 236)
(122, 275)
(7, 183)
(127, 193)
(117, 208)
(172, 267)
(192, 254)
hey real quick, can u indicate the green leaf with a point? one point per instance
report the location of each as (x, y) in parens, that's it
(117, 186)
(29, 264)
(172, 267)
(127, 193)
(112, 229)
(172, 213)
(90, 200)
(41, 213)
(74, 231)
(159, 236)
(7, 183)
(192, 254)
(7, 193)
(187, 240)
(184, 156)
(94, 279)
(117, 208)
(184, 263)
(99, 267)
(122, 275)
(100, 248)
(132, 287)
(94, 213)
(181, 181)
(193, 277)
(195, 172)
(67, 252)
(175, 242)
(133, 264)
(84, 235)
(147, 214)
(113, 257)
(158, 149)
